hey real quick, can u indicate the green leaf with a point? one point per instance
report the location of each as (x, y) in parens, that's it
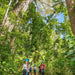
(73, 59)
(70, 53)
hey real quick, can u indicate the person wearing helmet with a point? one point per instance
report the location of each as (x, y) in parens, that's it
(39, 70)
(35, 69)
(26, 67)
(42, 66)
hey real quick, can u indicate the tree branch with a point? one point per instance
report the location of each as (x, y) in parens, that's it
(6, 14)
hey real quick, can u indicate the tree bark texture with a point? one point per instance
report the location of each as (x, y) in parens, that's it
(71, 11)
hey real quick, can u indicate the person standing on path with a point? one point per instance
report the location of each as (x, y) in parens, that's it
(26, 67)
(42, 66)
(39, 70)
(35, 69)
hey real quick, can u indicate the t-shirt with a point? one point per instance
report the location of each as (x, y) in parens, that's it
(30, 68)
(25, 67)
(42, 67)
(35, 68)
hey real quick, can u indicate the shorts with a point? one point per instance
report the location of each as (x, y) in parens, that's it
(35, 71)
(30, 71)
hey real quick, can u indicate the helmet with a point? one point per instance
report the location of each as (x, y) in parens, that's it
(42, 62)
(34, 64)
(26, 59)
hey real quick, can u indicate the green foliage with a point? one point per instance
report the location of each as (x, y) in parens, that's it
(37, 39)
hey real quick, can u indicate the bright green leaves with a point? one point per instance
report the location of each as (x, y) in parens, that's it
(59, 6)
(38, 38)
(32, 10)
(1, 15)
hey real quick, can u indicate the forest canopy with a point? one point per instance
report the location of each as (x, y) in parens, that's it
(31, 29)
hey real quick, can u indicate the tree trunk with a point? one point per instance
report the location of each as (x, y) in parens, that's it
(71, 11)
(12, 44)
(20, 6)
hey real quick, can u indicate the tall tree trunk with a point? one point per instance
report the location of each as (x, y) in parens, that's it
(71, 11)
(12, 44)
(20, 6)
